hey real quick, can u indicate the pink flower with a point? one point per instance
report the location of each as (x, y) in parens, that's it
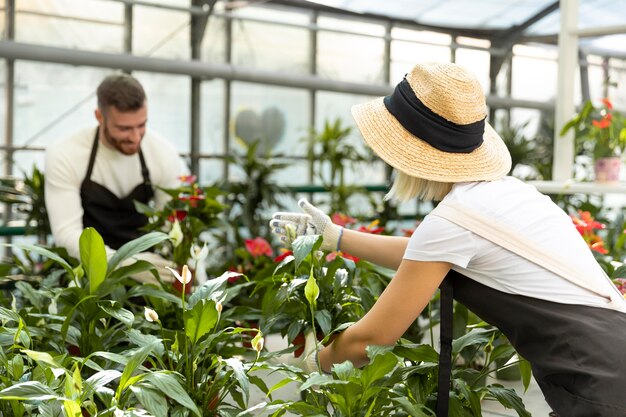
(341, 219)
(258, 247)
(187, 179)
(331, 256)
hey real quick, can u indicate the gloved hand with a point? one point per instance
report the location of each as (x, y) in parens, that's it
(307, 361)
(312, 222)
(159, 263)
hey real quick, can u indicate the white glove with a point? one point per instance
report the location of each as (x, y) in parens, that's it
(307, 361)
(159, 263)
(313, 222)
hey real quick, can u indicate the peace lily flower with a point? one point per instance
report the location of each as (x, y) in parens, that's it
(257, 342)
(150, 315)
(176, 234)
(184, 277)
(219, 307)
(118, 413)
(342, 275)
(199, 253)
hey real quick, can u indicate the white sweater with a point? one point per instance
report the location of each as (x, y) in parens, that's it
(66, 166)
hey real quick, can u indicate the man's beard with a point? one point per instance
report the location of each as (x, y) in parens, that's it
(118, 143)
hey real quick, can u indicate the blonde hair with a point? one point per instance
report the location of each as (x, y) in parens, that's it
(406, 187)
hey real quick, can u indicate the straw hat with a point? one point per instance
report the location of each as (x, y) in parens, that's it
(443, 135)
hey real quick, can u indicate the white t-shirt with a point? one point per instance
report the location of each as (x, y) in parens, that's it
(66, 166)
(525, 211)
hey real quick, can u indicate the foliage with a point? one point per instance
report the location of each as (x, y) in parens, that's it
(28, 197)
(599, 131)
(340, 299)
(330, 152)
(190, 211)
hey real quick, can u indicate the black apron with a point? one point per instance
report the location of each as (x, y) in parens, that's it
(116, 219)
(577, 353)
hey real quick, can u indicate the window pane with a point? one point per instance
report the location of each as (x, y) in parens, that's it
(53, 101)
(529, 66)
(477, 62)
(404, 56)
(168, 106)
(212, 117)
(276, 116)
(213, 43)
(88, 24)
(160, 33)
(24, 161)
(211, 170)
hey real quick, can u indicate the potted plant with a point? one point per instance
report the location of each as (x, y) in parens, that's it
(601, 134)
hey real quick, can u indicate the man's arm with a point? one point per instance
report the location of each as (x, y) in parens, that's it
(62, 193)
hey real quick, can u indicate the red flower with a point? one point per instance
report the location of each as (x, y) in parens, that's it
(341, 219)
(257, 247)
(283, 255)
(371, 228)
(607, 103)
(602, 123)
(192, 199)
(331, 256)
(236, 278)
(187, 179)
(177, 215)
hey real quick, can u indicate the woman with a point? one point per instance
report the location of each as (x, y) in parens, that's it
(509, 253)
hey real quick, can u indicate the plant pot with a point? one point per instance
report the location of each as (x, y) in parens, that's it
(607, 169)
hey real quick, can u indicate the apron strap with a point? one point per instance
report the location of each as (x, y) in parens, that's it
(445, 349)
(92, 156)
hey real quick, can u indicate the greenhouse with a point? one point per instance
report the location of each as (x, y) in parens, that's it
(312, 207)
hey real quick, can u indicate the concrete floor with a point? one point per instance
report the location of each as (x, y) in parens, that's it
(533, 398)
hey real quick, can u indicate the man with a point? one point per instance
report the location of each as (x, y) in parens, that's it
(94, 176)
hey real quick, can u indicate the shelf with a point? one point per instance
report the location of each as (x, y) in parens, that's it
(572, 187)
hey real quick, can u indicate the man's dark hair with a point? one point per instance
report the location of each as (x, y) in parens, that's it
(121, 91)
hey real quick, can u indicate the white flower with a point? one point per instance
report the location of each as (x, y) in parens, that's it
(176, 234)
(150, 314)
(219, 307)
(52, 307)
(257, 342)
(342, 275)
(318, 254)
(199, 253)
(184, 277)
(118, 413)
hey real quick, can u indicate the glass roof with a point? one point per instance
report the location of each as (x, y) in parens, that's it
(498, 15)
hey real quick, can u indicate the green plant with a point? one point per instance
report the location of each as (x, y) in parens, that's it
(329, 154)
(27, 196)
(190, 211)
(599, 131)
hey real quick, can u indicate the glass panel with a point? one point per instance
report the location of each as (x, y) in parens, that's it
(212, 117)
(276, 116)
(270, 47)
(333, 106)
(52, 101)
(350, 58)
(168, 106)
(405, 54)
(211, 170)
(161, 33)
(477, 62)
(352, 25)
(213, 43)
(88, 24)
(24, 161)
(534, 74)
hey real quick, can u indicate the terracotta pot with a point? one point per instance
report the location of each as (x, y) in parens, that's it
(607, 169)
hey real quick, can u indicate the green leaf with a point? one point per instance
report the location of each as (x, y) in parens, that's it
(9, 315)
(200, 320)
(153, 400)
(134, 247)
(474, 337)
(30, 390)
(525, 371)
(114, 309)
(281, 384)
(93, 257)
(134, 362)
(240, 374)
(320, 380)
(130, 270)
(323, 320)
(412, 409)
(43, 252)
(98, 380)
(378, 368)
(168, 384)
(72, 408)
(417, 353)
(42, 358)
(303, 246)
(508, 398)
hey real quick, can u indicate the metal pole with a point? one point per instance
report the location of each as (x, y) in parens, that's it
(228, 52)
(9, 81)
(128, 28)
(312, 91)
(565, 108)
